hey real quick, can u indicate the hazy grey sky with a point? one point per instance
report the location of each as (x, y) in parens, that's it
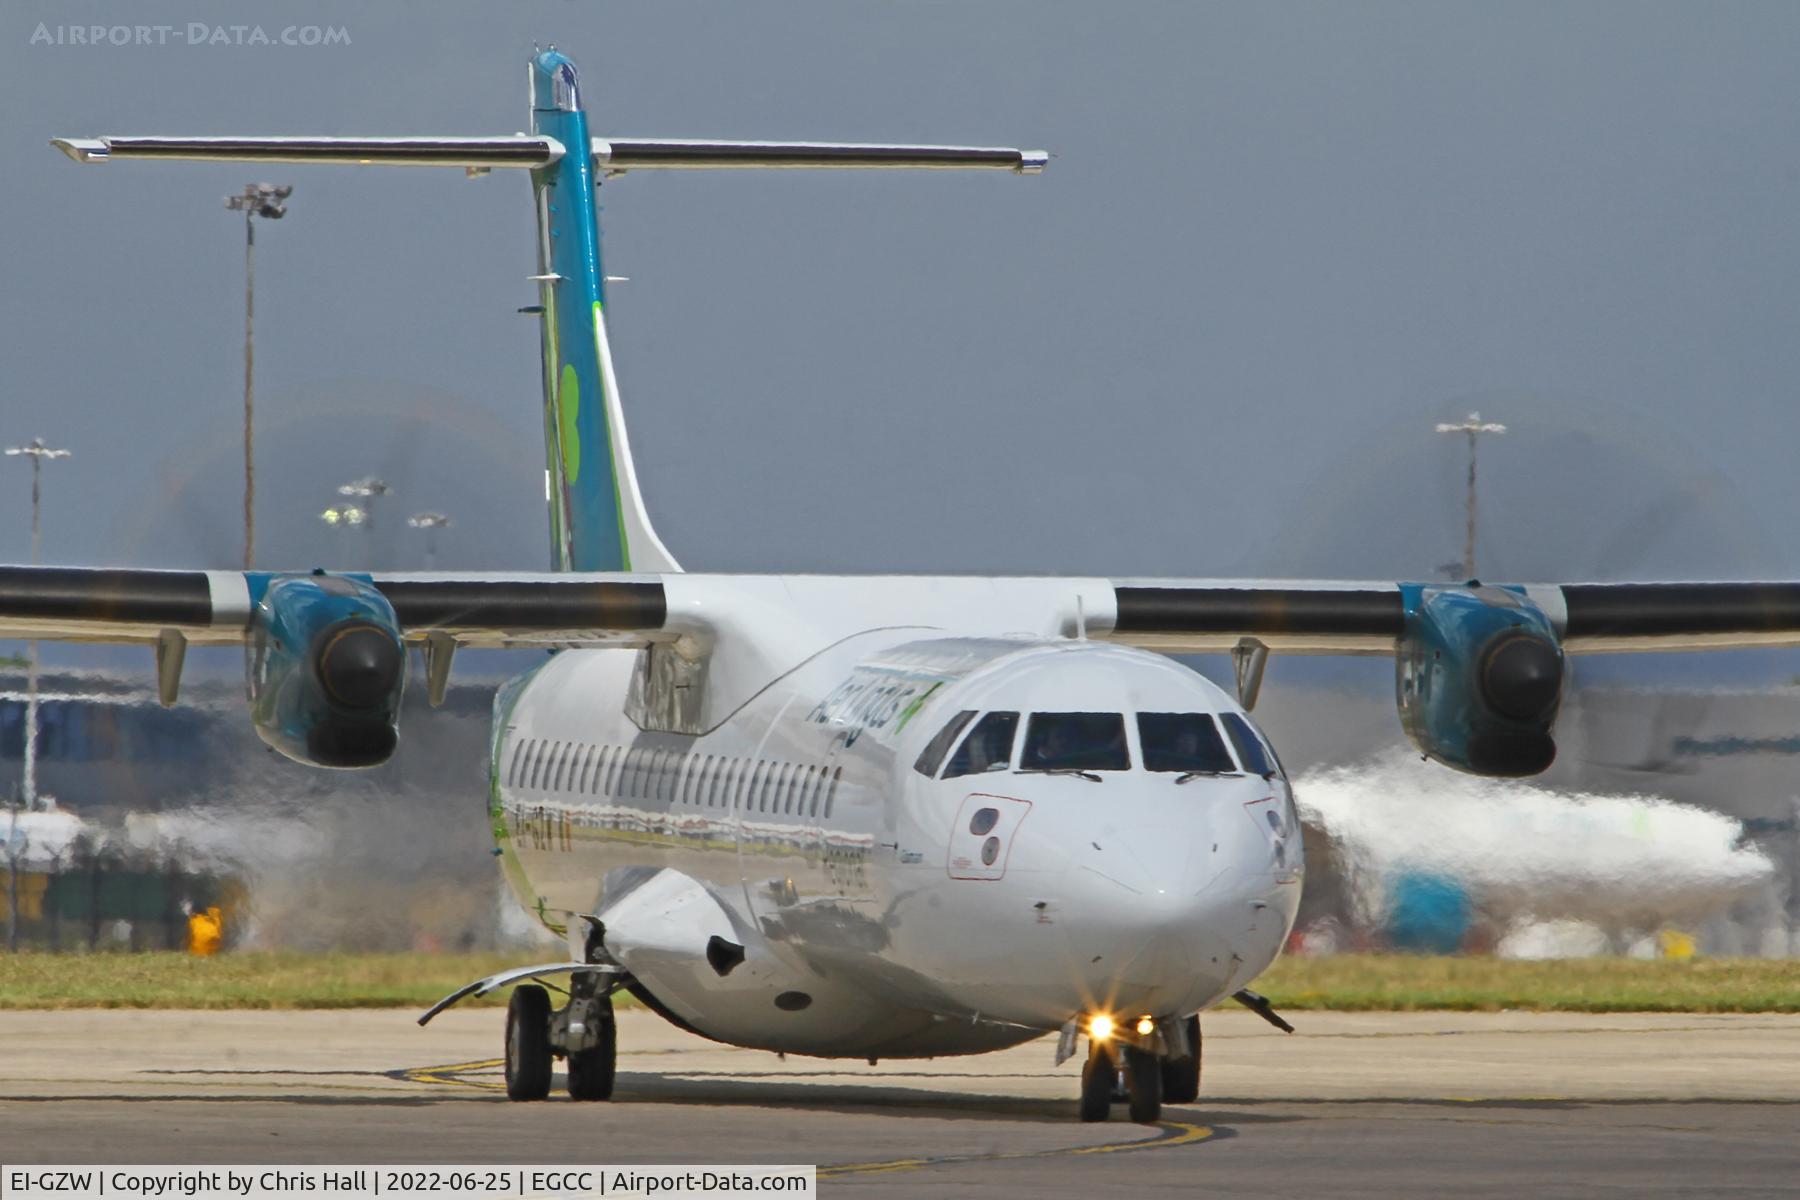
(1277, 242)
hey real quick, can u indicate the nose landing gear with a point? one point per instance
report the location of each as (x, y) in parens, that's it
(1144, 1074)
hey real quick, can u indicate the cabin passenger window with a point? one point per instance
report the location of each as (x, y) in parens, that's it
(1255, 753)
(585, 756)
(987, 748)
(932, 756)
(512, 771)
(1183, 742)
(1075, 741)
(535, 756)
(837, 773)
(560, 759)
(609, 762)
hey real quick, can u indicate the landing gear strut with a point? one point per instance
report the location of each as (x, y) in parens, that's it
(583, 1032)
(589, 1038)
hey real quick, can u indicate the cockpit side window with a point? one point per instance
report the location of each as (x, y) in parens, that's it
(987, 748)
(1075, 741)
(932, 756)
(1183, 742)
(1255, 753)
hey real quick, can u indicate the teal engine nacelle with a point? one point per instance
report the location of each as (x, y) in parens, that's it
(1479, 679)
(326, 670)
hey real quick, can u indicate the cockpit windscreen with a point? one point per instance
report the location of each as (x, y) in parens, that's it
(1075, 742)
(1183, 742)
(987, 748)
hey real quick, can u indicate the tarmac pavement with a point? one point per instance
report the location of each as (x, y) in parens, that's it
(1389, 1104)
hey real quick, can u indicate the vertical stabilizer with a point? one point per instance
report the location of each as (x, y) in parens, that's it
(597, 517)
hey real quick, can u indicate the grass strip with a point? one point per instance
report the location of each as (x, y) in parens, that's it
(1347, 983)
(1402, 983)
(276, 979)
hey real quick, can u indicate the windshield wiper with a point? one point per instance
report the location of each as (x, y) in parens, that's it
(1089, 775)
(1190, 776)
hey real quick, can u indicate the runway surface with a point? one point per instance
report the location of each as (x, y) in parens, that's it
(1352, 1104)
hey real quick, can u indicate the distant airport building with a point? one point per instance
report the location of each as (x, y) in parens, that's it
(164, 811)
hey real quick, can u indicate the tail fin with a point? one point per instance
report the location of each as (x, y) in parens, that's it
(598, 521)
(597, 516)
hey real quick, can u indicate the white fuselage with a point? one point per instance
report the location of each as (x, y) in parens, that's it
(880, 911)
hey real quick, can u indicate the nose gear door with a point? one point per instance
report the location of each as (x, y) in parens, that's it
(982, 837)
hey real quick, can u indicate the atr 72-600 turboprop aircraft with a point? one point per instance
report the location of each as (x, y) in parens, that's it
(863, 817)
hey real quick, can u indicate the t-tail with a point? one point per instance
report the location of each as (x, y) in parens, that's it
(598, 520)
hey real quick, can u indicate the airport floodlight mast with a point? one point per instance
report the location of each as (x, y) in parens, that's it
(268, 201)
(1472, 428)
(26, 796)
(363, 494)
(430, 522)
(38, 453)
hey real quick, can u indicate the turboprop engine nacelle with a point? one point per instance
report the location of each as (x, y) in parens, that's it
(326, 670)
(1479, 679)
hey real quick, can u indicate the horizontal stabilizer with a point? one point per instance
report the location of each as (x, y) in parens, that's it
(476, 152)
(611, 156)
(615, 155)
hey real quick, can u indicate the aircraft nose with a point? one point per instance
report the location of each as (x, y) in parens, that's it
(1162, 865)
(1161, 912)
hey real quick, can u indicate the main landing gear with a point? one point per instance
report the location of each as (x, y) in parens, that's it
(1143, 1073)
(582, 1032)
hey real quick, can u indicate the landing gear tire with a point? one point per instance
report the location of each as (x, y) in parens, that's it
(1143, 1076)
(591, 1070)
(1181, 1076)
(1097, 1079)
(528, 1043)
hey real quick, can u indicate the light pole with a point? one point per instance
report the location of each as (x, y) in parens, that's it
(430, 522)
(1473, 428)
(257, 200)
(38, 453)
(27, 793)
(363, 493)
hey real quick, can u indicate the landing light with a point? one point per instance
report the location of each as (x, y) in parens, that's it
(1100, 1028)
(1145, 1027)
